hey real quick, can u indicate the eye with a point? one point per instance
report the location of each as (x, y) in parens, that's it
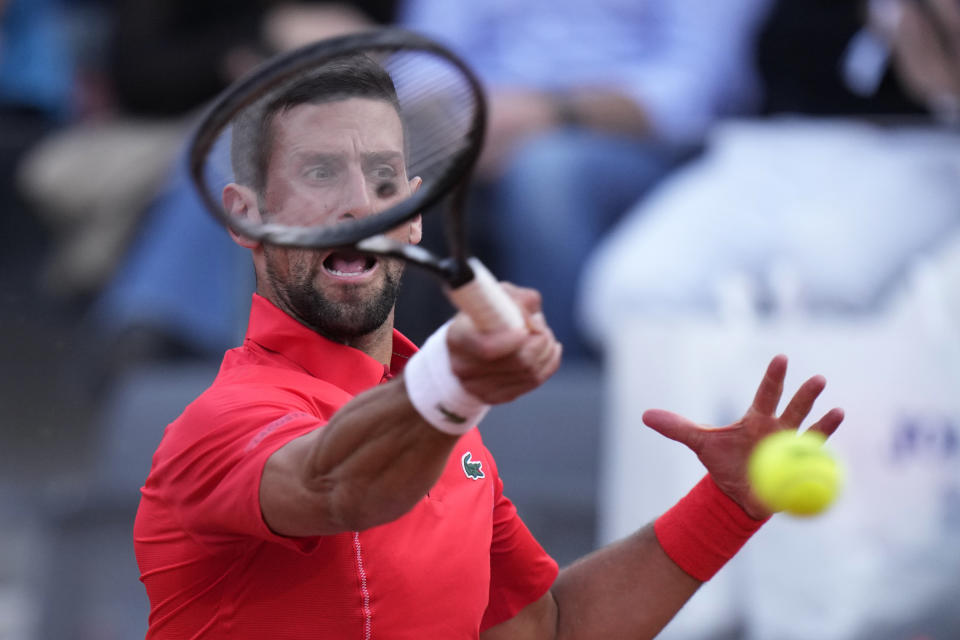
(320, 172)
(385, 177)
(384, 172)
(386, 190)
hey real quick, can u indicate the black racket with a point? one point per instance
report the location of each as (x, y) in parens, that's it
(336, 145)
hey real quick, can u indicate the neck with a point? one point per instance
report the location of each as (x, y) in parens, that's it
(378, 344)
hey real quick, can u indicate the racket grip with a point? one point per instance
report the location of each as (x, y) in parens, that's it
(485, 301)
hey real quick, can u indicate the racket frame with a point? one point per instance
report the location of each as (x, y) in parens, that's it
(272, 73)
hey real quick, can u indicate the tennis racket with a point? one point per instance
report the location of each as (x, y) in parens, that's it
(271, 162)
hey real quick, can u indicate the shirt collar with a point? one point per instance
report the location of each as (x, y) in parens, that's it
(346, 367)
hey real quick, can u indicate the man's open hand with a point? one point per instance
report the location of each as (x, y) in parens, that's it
(724, 451)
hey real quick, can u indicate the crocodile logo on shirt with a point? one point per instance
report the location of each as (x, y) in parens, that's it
(473, 469)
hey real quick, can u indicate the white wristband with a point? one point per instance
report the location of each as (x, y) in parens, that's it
(436, 393)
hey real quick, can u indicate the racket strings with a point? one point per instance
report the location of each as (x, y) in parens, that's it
(439, 110)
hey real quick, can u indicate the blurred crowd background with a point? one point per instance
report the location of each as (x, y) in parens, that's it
(693, 185)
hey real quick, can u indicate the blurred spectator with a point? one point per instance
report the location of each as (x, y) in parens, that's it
(113, 172)
(591, 103)
(128, 216)
(36, 96)
(170, 56)
(35, 60)
(843, 203)
(160, 62)
(634, 121)
(631, 101)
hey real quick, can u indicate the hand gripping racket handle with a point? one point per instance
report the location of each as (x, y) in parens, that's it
(485, 301)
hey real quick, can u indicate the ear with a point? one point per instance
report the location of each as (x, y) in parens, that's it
(416, 224)
(416, 230)
(241, 202)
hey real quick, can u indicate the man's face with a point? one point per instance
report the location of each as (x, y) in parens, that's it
(328, 163)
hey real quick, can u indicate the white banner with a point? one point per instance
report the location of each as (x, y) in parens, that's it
(888, 551)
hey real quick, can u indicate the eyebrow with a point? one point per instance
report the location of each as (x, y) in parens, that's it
(371, 157)
(375, 157)
(308, 158)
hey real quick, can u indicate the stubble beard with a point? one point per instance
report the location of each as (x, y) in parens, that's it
(341, 321)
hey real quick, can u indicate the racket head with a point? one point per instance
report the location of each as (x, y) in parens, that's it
(439, 107)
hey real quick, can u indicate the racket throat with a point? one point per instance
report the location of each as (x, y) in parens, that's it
(459, 273)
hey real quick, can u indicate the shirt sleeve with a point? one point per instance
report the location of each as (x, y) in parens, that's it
(520, 570)
(208, 470)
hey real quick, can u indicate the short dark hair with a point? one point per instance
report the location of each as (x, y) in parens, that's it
(352, 76)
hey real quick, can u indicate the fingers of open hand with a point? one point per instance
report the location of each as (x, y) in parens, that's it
(771, 387)
(802, 402)
(828, 423)
(800, 405)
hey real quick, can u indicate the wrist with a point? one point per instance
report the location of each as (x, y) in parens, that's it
(435, 391)
(704, 530)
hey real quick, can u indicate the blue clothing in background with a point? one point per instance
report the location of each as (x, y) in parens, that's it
(184, 275)
(684, 61)
(36, 70)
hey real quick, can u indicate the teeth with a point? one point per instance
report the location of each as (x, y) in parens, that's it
(368, 266)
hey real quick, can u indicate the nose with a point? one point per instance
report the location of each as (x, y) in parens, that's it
(357, 200)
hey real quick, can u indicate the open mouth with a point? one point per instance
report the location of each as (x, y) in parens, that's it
(349, 264)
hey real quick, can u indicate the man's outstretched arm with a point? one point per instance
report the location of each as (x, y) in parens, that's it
(633, 588)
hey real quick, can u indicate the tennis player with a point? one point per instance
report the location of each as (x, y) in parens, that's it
(315, 490)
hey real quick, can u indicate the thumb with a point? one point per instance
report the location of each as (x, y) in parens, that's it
(463, 335)
(672, 425)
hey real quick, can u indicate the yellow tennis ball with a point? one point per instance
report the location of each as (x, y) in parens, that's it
(794, 473)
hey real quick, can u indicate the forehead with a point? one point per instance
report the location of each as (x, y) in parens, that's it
(342, 125)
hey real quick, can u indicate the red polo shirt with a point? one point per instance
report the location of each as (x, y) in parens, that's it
(459, 562)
